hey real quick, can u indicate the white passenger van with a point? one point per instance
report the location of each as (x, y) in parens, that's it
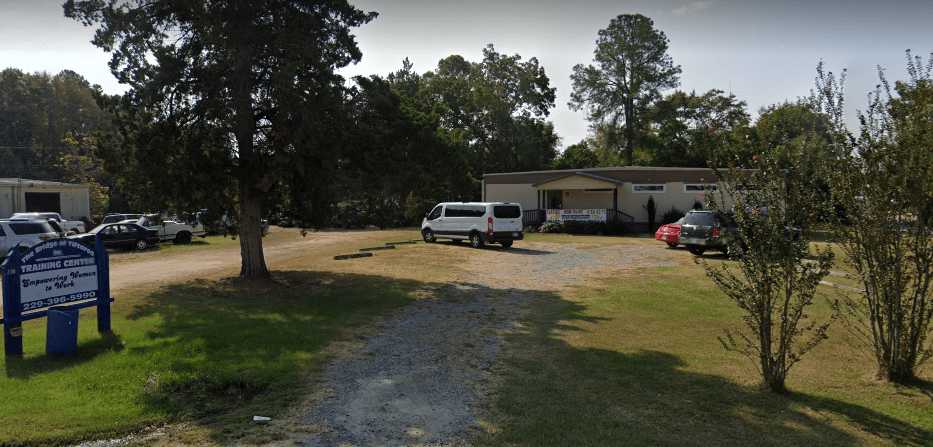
(478, 222)
(23, 233)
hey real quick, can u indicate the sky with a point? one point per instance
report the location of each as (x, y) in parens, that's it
(765, 52)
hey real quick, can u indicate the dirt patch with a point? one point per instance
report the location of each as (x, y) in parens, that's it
(153, 268)
(423, 375)
(559, 266)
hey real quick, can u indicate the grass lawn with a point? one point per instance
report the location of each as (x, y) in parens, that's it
(584, 239)
(209, 352)
(634, 360)
(197, 244)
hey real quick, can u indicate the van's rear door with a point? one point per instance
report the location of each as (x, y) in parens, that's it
(507, 218)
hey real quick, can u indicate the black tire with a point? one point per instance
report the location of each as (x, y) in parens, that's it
(141, 245)
(671, 245)
(696, 250)
(476, 240)
(183, 238)
(428, 235)
(506, 244)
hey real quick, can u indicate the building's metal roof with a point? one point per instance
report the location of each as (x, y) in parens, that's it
(629, 174)
(46, 183)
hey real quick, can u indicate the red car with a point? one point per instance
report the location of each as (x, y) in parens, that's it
(669, 233)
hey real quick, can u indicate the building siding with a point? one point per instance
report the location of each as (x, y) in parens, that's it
(75, 199)
(524, 194)
(630, 202)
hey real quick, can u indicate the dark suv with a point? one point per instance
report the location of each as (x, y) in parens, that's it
(706, 230)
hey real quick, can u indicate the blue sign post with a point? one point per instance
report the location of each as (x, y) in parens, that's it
(61, 272)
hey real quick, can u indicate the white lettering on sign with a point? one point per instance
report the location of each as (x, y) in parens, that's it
(49, 284)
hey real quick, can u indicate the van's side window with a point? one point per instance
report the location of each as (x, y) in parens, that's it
(435, 213)
(464, 211)
(477, 211)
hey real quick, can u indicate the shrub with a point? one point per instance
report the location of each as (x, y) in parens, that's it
(671, 216)
(652, 209)
(573, 227)
(551, 227)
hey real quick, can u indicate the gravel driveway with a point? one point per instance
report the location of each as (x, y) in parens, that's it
(422, 377)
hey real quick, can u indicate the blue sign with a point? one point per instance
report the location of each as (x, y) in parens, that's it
(61, 272)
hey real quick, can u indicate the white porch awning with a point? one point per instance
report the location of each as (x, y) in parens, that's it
(579, 180)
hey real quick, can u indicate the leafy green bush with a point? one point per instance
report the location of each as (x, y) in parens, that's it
(672, 215)
(551, 227)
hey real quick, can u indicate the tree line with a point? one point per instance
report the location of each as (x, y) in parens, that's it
(374, 150)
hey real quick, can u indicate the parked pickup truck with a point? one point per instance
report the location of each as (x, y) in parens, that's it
(172, 230)
(69, 226)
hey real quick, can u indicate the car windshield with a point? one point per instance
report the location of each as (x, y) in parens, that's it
(149, 220)
(701, 219)
(97, 229)
(55, 226)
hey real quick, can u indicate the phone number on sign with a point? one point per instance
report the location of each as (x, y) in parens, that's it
(59, 300)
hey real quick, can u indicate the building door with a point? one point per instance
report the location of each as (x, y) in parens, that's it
(43, 202)
(555, 199)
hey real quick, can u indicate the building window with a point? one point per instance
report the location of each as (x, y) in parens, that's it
(700, 187)
(648, 188)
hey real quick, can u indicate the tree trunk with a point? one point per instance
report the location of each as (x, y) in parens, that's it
(629, 132)
(775, 382)
(252, 259)
(249, 171)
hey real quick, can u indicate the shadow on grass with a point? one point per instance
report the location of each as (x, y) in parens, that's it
(192, 243)
(522, 251)
(24, 368)
(553, 393)
(231, 349)
(224, 343)
(497, 247)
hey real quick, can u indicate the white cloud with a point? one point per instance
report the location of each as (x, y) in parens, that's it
(693, 7)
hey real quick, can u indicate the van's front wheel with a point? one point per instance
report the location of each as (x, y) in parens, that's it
(428, 235)
(476, 240)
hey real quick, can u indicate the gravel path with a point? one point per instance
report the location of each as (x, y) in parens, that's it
(422, 377)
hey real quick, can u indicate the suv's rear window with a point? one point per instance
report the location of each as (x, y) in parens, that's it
(507, 211)
(702, 219)
(22, 228)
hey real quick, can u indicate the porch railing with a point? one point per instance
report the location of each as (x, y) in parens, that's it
(619, 216)
(532, 218)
